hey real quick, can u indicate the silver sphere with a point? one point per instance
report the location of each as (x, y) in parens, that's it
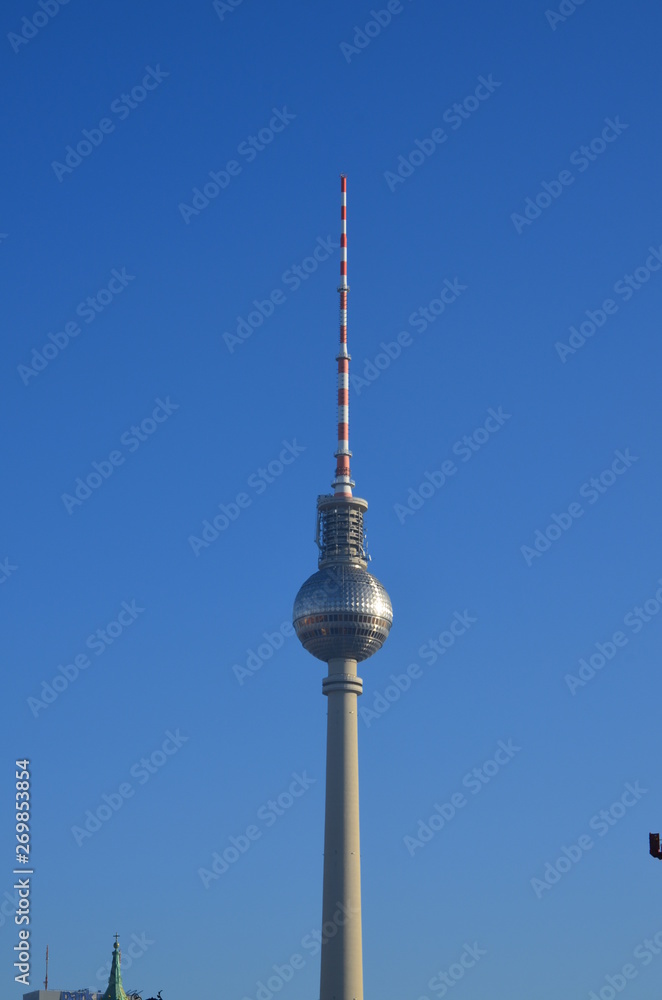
(342, 611)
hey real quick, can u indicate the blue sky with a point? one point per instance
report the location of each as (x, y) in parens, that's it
(170, 314)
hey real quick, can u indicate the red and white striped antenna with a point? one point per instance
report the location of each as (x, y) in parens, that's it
(342, 483)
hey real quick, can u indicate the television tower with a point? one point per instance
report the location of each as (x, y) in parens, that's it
(342, 615)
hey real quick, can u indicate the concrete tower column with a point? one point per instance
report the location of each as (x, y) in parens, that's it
(342, 963)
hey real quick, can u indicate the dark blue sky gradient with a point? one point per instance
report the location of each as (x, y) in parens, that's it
(466, 549)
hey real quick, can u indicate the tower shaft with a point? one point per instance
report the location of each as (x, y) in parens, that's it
(342, 962)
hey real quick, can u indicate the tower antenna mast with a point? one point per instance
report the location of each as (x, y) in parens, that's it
(342, 483)
(46, 979)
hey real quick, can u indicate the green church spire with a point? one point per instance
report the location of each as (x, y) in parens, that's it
(115, 989)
